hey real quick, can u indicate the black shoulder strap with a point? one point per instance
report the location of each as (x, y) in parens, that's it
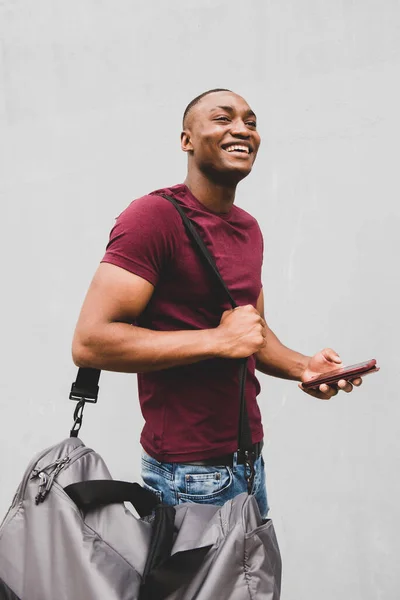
(244, 432)
(85, 388)
(194, 235)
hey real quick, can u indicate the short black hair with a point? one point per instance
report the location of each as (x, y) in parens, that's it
(197, 99)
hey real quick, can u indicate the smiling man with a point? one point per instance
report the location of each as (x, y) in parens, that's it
(153, 309)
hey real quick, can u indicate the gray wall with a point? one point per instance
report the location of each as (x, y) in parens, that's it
(91, 95)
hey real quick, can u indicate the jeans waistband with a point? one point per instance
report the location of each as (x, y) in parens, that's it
(228, 460)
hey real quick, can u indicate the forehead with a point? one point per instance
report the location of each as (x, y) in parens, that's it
(220, 99)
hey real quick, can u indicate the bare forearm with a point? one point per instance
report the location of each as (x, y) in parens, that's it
(278, 360)
(125, 348)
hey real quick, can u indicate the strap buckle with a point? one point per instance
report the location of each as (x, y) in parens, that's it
(84, 389)
(81, 394)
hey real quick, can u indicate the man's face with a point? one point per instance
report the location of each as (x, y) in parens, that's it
(221, 137)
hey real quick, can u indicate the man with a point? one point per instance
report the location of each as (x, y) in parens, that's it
(153, 309)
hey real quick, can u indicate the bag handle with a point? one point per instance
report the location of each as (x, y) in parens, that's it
(91, 494)
(163, 574)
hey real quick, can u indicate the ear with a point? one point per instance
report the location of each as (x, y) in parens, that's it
(186, 143)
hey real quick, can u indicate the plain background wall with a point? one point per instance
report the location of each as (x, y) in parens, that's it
(91, 97)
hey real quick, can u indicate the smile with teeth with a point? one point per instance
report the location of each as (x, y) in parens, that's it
(237, 148)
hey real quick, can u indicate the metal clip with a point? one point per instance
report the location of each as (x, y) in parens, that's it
(78, 416)
(249, 462)
(42, 486)
(47, 476)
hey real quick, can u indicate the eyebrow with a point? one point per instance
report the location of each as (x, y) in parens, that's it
(230, 109)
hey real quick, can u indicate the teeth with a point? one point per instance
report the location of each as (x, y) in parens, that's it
(235, 147)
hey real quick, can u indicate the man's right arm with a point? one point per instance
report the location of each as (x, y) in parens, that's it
(105, 339)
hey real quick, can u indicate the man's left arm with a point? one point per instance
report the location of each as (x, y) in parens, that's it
(279, 361)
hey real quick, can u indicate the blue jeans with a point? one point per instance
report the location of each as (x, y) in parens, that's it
(176, 483)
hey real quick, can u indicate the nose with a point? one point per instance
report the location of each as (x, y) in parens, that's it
(239, 129)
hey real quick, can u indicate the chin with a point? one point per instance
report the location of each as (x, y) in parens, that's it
(235, 173)
(227, 174)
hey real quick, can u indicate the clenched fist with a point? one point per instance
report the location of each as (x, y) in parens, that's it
(241, 332)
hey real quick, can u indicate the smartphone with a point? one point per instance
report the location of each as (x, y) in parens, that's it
(348, 373)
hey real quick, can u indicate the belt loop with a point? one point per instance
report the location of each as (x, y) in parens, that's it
(234, 462)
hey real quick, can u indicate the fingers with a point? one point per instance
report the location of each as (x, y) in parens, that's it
(264, 327)
(331, 356)
(328, 391)
(347, 386)
(248, 307)
(325, 392)
(260, 319)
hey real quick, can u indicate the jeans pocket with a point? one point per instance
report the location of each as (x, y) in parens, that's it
(153, 480)
(161, 469)
(158, 493)
(211, 485)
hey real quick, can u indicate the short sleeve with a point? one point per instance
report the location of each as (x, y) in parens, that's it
(144, 237)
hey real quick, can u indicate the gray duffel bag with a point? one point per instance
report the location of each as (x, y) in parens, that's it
(69, 536)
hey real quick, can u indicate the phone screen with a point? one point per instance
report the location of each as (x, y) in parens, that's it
(344, 370)
(368, 366)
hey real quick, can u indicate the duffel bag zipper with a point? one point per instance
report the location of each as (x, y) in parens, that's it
(48, 474)
(20, 493)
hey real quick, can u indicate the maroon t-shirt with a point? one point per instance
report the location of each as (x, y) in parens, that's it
(190, 412)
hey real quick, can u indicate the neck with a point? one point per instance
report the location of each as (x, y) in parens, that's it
(217, 197)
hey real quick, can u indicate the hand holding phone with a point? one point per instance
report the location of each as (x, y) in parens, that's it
(347, 373)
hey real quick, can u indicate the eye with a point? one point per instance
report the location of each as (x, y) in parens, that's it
(251, 124)
(222, 118)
